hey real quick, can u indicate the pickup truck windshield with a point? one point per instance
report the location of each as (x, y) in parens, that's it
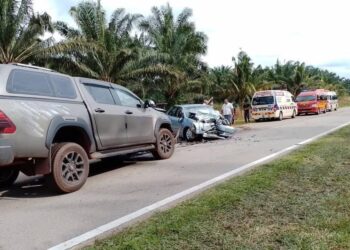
(306, 98)
(263, 100)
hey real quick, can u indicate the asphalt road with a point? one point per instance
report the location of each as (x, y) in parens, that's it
(33, 218)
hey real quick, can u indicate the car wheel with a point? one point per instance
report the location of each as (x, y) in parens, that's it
(189, 135)
(294, 113)
(325, 110)
(280, 117)
(70, 167)
(165, 145)
(8, 176)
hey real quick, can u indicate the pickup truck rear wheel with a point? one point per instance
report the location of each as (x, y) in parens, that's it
(8, 176)
(70, 167)
(165, 145)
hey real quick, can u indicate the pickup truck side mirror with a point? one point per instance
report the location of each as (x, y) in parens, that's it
(149, 103)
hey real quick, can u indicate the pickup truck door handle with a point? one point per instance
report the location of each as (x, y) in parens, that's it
(128, 112)
(99, 110)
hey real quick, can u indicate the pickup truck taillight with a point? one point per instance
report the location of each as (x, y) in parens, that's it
(6, 125)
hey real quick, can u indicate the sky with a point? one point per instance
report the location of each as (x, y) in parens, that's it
(311, 31)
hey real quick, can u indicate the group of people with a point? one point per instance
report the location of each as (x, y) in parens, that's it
(228, 110)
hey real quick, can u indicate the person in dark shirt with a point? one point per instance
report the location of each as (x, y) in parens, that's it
(246, 108)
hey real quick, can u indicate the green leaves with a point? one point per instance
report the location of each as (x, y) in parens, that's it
(21, 31)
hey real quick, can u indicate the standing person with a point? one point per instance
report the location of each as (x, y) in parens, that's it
(246, 108)
(228, 111)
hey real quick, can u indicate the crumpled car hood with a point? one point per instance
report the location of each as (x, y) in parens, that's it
(204, 116)
(205, 121)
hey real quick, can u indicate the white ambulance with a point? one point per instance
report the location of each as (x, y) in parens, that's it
(332, 101)
(273, 104)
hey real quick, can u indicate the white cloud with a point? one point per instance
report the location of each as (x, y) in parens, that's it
(312, 31)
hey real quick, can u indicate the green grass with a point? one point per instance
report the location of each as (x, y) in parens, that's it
(344, 101)
(301, 201)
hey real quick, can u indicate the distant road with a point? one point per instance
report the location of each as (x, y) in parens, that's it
(33, 218)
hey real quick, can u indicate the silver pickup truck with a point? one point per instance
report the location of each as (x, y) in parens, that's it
(53, 125)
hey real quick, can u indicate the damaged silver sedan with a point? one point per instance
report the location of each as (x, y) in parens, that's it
(192, 121)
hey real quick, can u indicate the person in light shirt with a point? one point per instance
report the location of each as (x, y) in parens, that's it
(228, 110)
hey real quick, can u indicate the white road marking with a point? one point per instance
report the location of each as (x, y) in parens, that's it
(127, 218)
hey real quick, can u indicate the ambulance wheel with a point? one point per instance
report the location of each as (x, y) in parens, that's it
(294, 114)
(280, 117)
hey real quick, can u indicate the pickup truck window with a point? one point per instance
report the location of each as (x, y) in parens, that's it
(29, 82)
(100, 94)
(127, 100)
(42, 84)
(63, 87)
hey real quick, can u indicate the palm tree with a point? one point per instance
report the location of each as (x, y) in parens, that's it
(178, 47)
(116, 56)
(111, 52)
(21, 32)
(243, 77)
(291, 75)
(222, 84)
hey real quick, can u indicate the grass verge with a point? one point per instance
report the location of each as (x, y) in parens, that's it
(344, 101)
(300, 201)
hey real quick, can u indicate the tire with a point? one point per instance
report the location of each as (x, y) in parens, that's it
(165, 145)
(325, 111)
(70, 167)
(8, 176)
(280, 117)
(189, 135)
(294, 114)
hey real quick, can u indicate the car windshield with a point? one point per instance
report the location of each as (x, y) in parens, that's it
(201, 110)
(263, 100)
(306, 98)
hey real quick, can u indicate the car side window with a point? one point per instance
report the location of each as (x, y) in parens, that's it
(127, 99)
(63, 87)
(30, 83)
(100, 94)
(41, 84)
(172, 111)
(179, 112)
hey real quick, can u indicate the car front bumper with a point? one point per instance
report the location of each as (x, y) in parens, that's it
(265, 115)
(221, 131)
(7, 154)
(307, 110)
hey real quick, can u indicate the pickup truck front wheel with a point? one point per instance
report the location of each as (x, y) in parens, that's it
(70, 167)
(8, 176)
(165, 145)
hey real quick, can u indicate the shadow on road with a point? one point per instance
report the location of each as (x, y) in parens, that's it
(35, 187)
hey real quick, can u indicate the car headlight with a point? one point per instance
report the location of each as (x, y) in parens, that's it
(198, 126)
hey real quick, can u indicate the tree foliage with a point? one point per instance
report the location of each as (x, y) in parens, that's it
(159, 56)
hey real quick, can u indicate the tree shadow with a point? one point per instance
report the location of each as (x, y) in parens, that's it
(35, 186)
